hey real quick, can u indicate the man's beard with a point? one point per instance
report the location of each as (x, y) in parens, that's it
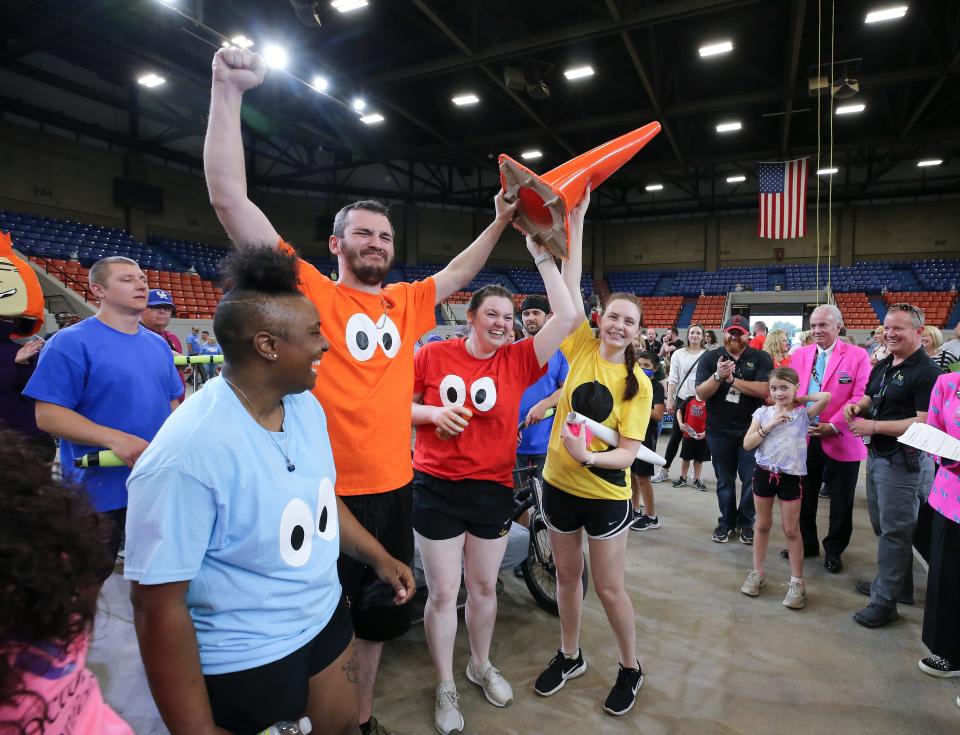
(370, 274)
(531, 329)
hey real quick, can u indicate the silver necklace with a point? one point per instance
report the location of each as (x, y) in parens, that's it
(283, 415)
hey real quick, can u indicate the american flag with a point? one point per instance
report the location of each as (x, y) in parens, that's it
(783, 199)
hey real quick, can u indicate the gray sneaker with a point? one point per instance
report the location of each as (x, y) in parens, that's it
(496, 689)
(446, 712)
(796, 595)
(753, 583)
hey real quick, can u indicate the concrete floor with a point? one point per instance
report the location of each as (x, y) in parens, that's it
(716, 661)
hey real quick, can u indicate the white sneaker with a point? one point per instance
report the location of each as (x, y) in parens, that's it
(662, 475)
(796, 595)
(753, 584)
(446, 712)
(496, 689)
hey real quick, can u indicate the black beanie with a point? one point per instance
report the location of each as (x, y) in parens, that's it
(535, 301)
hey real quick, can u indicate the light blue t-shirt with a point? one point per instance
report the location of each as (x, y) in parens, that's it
(535, 438)
(124, 381)
(785, 448)
(212, 502)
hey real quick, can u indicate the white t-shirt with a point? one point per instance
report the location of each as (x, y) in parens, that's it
(680, 364)
(785, 448)
(212, 502)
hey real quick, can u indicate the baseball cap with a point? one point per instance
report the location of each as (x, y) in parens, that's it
(737, 322)
(160, 297)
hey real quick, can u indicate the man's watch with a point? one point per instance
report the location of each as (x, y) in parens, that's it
(716, 376)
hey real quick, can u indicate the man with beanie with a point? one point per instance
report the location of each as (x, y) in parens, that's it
(542, 395)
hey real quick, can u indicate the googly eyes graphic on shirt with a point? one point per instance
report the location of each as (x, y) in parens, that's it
(327, 519)
(363, 336)
(483, 393)
(453, 391)
(296, 533)
(389, 336)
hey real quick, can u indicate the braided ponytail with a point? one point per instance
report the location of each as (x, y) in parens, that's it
(629, 361)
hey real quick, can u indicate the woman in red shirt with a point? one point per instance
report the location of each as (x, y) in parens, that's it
(466, 403)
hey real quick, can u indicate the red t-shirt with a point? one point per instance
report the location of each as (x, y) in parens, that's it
(695, 415)
(758, 341)
(446, 374)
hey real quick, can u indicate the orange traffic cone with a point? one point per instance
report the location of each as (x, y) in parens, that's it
(545, 200)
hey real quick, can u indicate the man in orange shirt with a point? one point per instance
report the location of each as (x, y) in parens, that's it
(759, 336)
(365, 382)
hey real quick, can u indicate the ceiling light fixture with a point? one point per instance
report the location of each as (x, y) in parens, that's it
(654, 187)
(736, 179)
(275, 56)
(241, 41)
(850, 109)
(359, 104)
(372, 119)
(827, 171)
(465, 99)
(530, 155)
(713, 49)
(729, 127)
(345, 6)
(929, 162)
(151, 80)
(892, 13)
(578, 72)
(320, 83)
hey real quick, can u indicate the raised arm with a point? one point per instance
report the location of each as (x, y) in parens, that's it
(560, 293)
(461, 270)
(573, 266)
(234, 72)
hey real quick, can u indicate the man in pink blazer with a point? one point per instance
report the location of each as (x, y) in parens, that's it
(833, 454)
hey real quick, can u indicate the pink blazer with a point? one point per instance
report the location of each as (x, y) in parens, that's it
(845, 379)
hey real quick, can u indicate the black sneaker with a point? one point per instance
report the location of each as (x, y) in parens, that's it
(624, 692)
(680, 482)
(645, 523)
(558, 671)
(939, 666)
(698, 483)
(721, 534)
(746, 536)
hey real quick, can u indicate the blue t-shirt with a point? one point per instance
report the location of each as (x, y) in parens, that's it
(212, 502)
(535, 438)
(209, 349)
(193, 344)
(124, 381)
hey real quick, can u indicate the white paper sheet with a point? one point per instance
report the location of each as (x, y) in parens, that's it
(608, 435)
(930, 439)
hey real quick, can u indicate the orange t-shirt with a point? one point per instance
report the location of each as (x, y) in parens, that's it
(365, 380)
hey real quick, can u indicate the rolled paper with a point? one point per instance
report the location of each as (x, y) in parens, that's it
(546, 200)
(197, 359)
(611, 437)
(103, 458)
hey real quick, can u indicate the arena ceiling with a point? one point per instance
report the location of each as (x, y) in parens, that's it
(72, 68)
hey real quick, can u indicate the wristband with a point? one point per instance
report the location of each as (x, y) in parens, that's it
(542, 258)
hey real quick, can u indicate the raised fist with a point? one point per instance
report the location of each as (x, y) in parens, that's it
(238, 68)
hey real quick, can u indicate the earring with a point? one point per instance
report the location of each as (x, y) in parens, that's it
(273, 355)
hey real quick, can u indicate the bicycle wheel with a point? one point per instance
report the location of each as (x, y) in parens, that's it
(539, 572)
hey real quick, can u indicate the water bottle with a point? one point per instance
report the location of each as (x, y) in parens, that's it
(301, 727)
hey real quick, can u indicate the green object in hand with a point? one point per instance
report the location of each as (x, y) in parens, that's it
(103, 458)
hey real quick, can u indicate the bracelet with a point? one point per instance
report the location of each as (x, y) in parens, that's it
(542, 258)
(874, 426)
(762, 433)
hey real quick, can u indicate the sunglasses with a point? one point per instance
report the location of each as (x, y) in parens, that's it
(909, 308)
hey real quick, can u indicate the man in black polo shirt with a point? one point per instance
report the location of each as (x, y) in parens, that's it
(732, 381)
(898, 476)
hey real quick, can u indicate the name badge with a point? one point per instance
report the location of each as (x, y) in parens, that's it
(845, 379)
(733, 396)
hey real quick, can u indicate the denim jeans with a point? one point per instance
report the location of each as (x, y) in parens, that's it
(894, 495)
(729, 460)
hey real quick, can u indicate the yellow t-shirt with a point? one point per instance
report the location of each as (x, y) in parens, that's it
(594, 388)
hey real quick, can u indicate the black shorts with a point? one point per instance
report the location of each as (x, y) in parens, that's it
(767, 484)
(601, 519)
(639, 466)
(250, 701)
(387, 516)
(444, 509)
(694, 449)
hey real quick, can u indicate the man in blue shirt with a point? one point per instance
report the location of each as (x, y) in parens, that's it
(106, 383)
(193, 341)
(542, 395)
